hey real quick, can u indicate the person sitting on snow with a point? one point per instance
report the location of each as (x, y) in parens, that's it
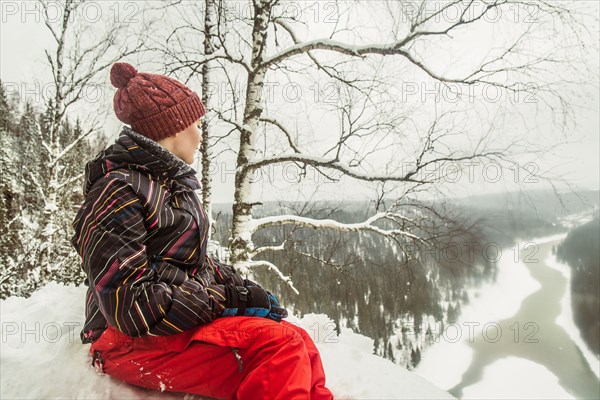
(160, 312)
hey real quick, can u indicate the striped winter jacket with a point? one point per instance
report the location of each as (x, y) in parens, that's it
(142, 235)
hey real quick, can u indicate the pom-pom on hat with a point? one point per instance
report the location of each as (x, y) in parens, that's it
(155, 106)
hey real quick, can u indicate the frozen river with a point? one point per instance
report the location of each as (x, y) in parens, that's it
(517, 339)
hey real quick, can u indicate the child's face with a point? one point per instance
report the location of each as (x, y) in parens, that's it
(188, 142)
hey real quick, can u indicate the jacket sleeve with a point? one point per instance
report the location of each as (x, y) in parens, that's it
(225, 274)
(136, 295)
(222, 272)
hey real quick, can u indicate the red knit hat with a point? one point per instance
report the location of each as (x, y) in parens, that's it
(155, 106)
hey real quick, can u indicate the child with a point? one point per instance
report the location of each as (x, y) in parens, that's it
(160, 312)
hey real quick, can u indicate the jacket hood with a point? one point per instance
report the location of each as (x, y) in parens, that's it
(135, 151)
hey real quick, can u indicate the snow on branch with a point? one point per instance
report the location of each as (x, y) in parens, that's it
(69, 147)
(270, 266)
(36, 183)
(366, 225)
(262, 249)
(70, 180)
(325, 68)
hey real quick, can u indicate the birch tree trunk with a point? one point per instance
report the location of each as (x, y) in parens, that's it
(211, 11)
(240, 243)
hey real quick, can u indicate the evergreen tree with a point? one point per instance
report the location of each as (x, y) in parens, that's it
(8, 187)
(35, 251)
(6, 111)
(376, 346)
(581, 250)
(415, 356)
(390, 352)
(29, 158)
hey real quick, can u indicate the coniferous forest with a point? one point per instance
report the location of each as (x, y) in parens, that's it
(581, 250)
(36, 209)
(374, 293)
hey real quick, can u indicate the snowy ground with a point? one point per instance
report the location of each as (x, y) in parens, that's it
(41, 356)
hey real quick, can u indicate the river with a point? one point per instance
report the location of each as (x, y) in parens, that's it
(517, 338)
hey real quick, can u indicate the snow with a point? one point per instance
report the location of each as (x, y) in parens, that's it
(529, 380)
(565, 318)
(574, 220)
(445, 362)
(514, 278)
(367, 225)
(445, 374)
(41, 356)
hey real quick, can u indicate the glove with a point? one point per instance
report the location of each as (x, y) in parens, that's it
(252, 301)
(276, 312)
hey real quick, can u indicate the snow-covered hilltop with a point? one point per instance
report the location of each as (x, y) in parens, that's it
(41, 356)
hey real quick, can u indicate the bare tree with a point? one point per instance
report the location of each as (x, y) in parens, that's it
(79, 57)
(262, 38)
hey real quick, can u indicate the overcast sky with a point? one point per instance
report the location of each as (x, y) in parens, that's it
(22, 66)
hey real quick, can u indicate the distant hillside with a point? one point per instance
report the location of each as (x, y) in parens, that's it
(505, 217)
(545, 203)
(433, 285)
(581, 250)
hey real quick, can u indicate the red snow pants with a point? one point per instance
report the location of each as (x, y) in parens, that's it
(242, 358)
